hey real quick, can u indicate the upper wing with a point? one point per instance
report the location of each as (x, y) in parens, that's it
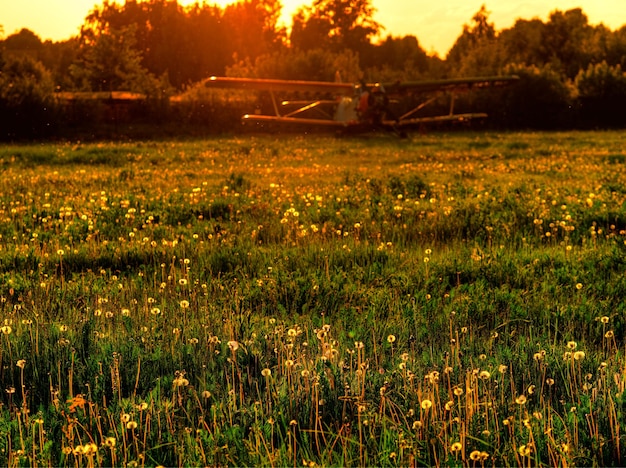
(257, 84)
(453, 84)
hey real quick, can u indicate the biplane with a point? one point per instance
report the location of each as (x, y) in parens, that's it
(358, 107)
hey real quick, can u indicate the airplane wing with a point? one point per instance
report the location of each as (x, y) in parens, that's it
(257, 84)
(451, 84)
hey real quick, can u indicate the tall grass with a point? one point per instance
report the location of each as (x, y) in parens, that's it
(453, 299)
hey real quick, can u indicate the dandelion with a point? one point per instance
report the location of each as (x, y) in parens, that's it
(520, 400)
(449, 404)
(579, 355)
(475, 455)
(484, 375)
(502, 368)
(233, 345)
(426, 404)
(456, 446)
(572, 345)
(155, 311)
(604, 319)
(458, 391)
(266, 372)
(21, 363)
(289, 363)
(391, 339)
(110, 442)
(609, 334)
(550, 381)
(182, 282)
(132, 425)
(206, 394)
(524, 450)
(184, 304)
(6, 330)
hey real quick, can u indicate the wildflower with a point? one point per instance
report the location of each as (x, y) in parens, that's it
(206, 394)
(609, 334)
(292, 332)
(520, 400)
(502, 368)
(359, 345)
(604, 319)
(184, 304)
(132, 425)
(524, 450)
(182, 282)
(475, 455)
(125, 417)
(458, 391)
(289, 363)
(233, 345)
(572, 345)
(550, 381)
(266, 372)
(449, 404)
(579, 355)
(155, 311)
(579, 286)
(391, 339)
(484, 375)
(456, 446)
(426, 404)
(110, 442)
(21, 363)
(531, 389)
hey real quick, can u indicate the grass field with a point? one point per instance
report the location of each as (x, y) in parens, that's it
(450, 299)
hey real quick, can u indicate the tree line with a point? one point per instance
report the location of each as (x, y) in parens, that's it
(571, 72)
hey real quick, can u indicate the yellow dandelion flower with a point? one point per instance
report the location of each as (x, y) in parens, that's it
(456, 446)
(184, 304)
(233, 345)
(579, 355)
(572, 345)
(391, 339)
(520, 400)
(604, 319)
(426, 404)
(484, 375)
(21, 363)
(132, 425)
(475, 455)
(266, 372)
(110, 442)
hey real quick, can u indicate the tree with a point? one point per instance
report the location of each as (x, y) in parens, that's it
(334, 24)
(110, 62)
(479, 32)
(602, 95)
(562, 41)
(26, 97)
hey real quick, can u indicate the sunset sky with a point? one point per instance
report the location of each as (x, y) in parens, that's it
(436, 23)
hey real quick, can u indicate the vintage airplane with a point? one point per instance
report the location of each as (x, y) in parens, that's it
(360, 107)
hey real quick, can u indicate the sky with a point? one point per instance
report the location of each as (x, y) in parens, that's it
(435, 23)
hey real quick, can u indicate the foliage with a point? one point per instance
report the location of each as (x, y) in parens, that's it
(450, 299)
(334, 24)
(26, 89)
(602, 94)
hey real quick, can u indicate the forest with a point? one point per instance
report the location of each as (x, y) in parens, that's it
(571, 72)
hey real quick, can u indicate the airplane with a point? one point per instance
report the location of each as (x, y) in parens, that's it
(358, 107)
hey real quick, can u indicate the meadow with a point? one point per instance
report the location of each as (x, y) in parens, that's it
(452, 299)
